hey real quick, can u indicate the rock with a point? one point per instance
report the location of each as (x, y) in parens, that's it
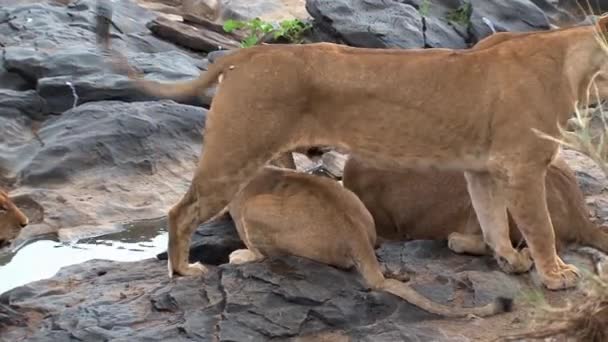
(268, 10)
(105, 162)
(287, 299)
(83, 72)
(369, 23)
(14, 104)
(514, 16)
(417, 24)
(212, 242)
(196, 38)
(557, 16)
(11, 80)
(438, 31)
(69, 55)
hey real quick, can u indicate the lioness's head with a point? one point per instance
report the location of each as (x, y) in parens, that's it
(12, 220)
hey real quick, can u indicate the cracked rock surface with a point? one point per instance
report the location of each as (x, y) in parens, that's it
(418, 24)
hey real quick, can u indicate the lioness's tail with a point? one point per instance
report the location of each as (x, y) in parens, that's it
(368, 266)
(172, 90)
(180, 90)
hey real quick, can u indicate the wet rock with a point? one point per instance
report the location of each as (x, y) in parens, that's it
(288, 299)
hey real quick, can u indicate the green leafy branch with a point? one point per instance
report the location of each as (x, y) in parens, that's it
(256, 29)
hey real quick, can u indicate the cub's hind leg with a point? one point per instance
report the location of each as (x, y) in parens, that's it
(468, 244)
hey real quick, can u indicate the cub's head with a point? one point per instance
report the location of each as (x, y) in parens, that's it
(12, 220)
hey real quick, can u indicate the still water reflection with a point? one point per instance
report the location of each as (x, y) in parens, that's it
(43, 258)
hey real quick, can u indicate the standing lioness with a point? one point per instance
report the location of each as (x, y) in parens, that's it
(472, 110)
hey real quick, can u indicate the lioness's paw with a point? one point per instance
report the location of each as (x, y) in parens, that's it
(561, 276)
(195, 269)
(520, 262)
(242, 256)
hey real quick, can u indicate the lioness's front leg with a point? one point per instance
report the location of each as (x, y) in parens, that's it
(527, 203)
(489, 202)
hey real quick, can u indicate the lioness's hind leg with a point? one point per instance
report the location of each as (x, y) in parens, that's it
(183, 219)
(242, 256)
(227, 163)
(468, 244)
(527, 203)
(489, 201)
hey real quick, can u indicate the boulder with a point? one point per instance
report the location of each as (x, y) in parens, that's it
(104, 162)
(365, 23)
(420, 23)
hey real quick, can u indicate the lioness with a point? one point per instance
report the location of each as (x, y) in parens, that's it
(282, 211)
(434, 204)
(12, 220)
(472, 110)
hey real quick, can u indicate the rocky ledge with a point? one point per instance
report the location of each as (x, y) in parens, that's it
(282, 299)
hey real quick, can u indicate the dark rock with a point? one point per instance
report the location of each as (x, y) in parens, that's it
(417, 24)
(276, 299)
(512, 16)
(51, 45)
(11, 80)
(212, 242)
(103, 85)
(366, 23)
(130, 137)
(14, 104)
(438, 30)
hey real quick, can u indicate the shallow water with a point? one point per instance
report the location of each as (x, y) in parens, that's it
(43, 258)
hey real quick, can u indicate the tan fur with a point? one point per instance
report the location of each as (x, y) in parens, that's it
(284, 212)
(471, 110)
(11, 220)
(434, 204)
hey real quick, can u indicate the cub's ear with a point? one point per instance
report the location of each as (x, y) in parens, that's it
(602, 24)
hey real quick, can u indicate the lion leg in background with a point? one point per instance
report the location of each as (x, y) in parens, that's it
(528, 206)
(468, 244)
(489, 202)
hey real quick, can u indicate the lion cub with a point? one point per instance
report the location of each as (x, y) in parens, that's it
(285, 212)
(12, 220)
(434, 204)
